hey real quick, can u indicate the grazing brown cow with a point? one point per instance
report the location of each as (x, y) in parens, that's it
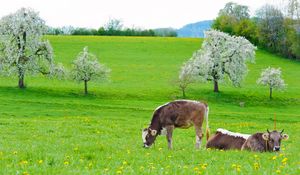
(224, 139)
(176, 114)
(263, 142)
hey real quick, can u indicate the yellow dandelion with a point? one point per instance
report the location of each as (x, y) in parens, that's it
(125, 163)
(121, 167)
(25, 173)
(141, 168)
(256, 166)
(24, 162)
(196, 169)
(233, 165)
(169, 156)
(238, 169)
(76, 149)
(208, 149)
(1, 153)
(284, 160)
(119, 172)
(278, 171)
(106, 169)
(15, 152)
(274, 157)
(147, 154)
(66, 163)
(203, 167)
(185, 167)
(255, 156)
(128, 151)
(280, 155)
(40, 161)
(90, 164)
(159, 149)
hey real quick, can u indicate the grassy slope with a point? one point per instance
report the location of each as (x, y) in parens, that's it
(52, 121)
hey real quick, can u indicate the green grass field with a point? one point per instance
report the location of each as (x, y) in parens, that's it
(52, 128)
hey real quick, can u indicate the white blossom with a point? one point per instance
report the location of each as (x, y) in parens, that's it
(87, 68)
(22, 47)
(271, 77)
(186, 76)
(221, 56)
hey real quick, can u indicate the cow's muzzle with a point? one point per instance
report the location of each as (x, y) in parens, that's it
(276, 148)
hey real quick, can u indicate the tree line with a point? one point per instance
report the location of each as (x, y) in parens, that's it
(276, 30)
(114, 27)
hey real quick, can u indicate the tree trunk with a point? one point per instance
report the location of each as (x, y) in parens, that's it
(270, 93)
(216, 86)
(85, 87)
(183, 92)
(21, 80)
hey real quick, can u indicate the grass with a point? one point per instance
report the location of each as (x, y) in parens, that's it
(52, 128)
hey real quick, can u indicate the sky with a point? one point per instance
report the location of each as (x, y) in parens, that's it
(145, 14)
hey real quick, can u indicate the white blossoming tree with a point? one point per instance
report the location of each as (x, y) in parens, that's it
(22, 47)
(223, 56)
(87, 68)
(271, 77)
(186, 76)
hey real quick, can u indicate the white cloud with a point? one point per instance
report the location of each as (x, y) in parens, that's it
(141, 13)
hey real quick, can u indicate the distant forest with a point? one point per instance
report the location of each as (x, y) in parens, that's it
(276, 30)
(113, 28)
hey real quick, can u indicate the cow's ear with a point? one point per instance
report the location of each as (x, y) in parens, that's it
(153, 132)
(265, 136)
(145, 129)
(285, 136)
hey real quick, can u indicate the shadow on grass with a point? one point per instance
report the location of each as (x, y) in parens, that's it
(237, 98)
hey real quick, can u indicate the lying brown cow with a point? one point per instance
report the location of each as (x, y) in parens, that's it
(269, 141)
(176, 114)
(224, 139)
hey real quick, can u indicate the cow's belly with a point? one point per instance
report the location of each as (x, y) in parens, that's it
(184, 125)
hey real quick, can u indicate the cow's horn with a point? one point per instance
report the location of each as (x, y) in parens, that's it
(281, 131)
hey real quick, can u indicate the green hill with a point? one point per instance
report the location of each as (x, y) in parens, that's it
(51, 120)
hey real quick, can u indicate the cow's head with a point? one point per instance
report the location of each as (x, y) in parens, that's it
(274, 139)
(149, 135)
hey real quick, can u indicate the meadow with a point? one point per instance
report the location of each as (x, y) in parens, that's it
(51, 127)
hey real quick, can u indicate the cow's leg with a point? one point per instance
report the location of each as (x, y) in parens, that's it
(198, 136)
(169, 129)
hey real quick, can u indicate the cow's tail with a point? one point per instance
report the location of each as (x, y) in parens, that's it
(206, 121)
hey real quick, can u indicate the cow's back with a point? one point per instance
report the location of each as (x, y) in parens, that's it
(182, 113)
(225, 142)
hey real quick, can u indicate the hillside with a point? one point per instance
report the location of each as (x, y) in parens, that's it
(194, 30)
(52, 128)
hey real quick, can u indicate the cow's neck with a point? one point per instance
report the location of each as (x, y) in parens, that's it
(155, 123)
